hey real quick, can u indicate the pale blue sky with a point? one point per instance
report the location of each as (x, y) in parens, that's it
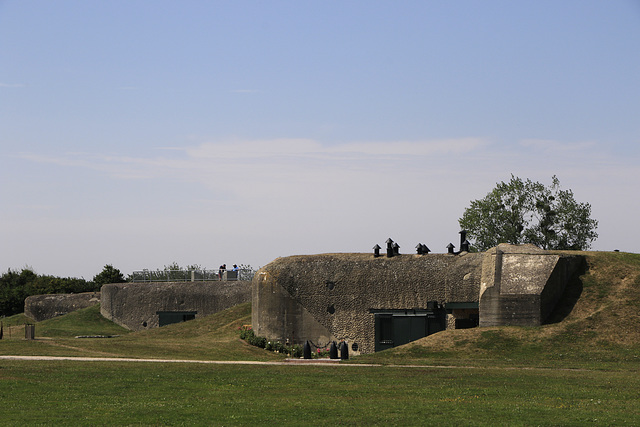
(139, 133)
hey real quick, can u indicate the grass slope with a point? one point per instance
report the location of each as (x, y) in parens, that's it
(213, 337)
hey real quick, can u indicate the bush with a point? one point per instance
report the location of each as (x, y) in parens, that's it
(296, 351)
(247, 334)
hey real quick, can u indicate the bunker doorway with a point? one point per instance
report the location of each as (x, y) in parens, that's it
(169, 317)
(398, 327)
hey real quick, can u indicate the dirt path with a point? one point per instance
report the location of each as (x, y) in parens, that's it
(297, 362)
(324, 362)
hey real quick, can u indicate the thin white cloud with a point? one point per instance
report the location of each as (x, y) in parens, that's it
(240, 149)
(296, 166)
(12, 85)
(548, 145)
(309, 148)
(413, 148)
(279, 160)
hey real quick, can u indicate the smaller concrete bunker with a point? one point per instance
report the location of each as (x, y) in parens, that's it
(138, 306)
(373, 303)
(48, 306)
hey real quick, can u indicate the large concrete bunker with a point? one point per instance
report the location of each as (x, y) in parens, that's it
(373, 303)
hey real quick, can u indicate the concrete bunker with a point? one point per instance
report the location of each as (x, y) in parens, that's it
(374, 303)
(138, 306)
(48, 306)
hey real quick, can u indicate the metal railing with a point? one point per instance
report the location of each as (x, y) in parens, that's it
(190, 275)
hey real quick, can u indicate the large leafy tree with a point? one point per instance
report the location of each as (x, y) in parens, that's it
(523, 211)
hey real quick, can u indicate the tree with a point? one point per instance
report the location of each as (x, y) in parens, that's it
(109, 274)
(529, 212)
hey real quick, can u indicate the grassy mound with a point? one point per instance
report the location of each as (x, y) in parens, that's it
(86, 321)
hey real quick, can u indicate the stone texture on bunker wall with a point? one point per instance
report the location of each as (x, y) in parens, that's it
(48, 306)
(524, 274)
(340, 290)
(135, 305)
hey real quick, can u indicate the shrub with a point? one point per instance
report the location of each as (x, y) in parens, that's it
(247, 334)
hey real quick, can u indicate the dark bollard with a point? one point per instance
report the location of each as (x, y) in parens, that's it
(389, 247)
(464, 246)
(376, 251)
(463, 237)
(333, 350)
(450, 248)
(396, 248)
(344, 351)
(419, 248)
(306, 350)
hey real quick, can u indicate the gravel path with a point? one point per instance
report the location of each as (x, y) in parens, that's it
(324, 362)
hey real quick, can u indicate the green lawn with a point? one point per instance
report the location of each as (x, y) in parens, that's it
(99, 393)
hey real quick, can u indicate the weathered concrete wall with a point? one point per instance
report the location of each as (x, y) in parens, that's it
(44, 307)
(521, 285)
(135, 305)
(330, 297)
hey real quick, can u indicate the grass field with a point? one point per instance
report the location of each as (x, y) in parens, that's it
(582, 370)
(96, 393)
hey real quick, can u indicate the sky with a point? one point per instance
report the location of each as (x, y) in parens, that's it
(143, 133)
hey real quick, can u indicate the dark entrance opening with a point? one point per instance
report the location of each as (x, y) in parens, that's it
(169, 317)
(466, 314)
(397, 327)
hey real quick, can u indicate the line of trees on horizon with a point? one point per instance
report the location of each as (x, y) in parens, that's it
(16, 286)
